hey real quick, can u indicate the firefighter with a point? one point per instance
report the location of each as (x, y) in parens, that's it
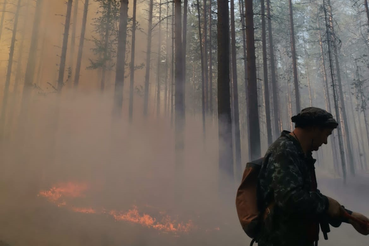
(287, 189)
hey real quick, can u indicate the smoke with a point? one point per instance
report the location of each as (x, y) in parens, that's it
(74, 140)
(125, 166)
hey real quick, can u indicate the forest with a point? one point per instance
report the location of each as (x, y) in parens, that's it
(131, 122)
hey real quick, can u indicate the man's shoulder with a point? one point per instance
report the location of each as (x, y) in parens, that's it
(282, 145)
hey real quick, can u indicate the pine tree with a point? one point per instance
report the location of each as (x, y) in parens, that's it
(81, 44)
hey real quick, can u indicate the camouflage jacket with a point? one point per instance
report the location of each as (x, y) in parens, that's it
(286, 179)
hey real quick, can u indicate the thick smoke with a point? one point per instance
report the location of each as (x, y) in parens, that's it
(125, 165)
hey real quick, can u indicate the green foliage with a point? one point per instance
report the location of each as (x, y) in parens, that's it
(106, 27)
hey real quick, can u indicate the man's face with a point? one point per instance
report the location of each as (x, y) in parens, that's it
(319, 137)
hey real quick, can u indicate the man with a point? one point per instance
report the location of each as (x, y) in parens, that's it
(287, 192)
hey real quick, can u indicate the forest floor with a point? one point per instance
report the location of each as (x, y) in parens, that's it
(39, 222)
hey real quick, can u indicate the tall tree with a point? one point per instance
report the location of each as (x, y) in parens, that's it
(362, 99)
(106, 44)
(342, 106)
(2, 17)
(9, 70)
(121, 55)
(81, 43)
(65, 46)
(335, 96)
(158, 67)
(18, 71)
(244, 45)
(359, 145)
(265, 68)
(184, 37)
(206, 74)
(203, 91)
(252, 91)
(367, 10)
(294, 60)
(74, 30)
(31, 63)
(277, 121)
(148, 58)
(327, 95)
(236, 118)
(179, 89)
(224, 107)
(166, 63)
(172, 77)
(132, 65)
(210, 62)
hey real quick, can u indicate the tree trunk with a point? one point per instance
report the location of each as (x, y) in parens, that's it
(121, 55)
(81, 42)
(179, 94)
(172, 69)
(210, 97)
(158, 68)
(9, 70)
(345, 133)
(224, 107)
(266, 83)
(40, 63)
(106, 43)
(294, 61)
(307, 65)
(236, 118)
(73, 41)
(277, 121)
(359, 146)
(206, 70)
(327, 99)
(289, 100)
(132, 65)
(252, 84)
(184, 38)
(243, 22)
(362, 137)
(324, 71)
(65, 46)
(31, 63)
(148, 58)
(335, 98)
(367, 10)
(2, 18)
(362, 153)
(203, 91)
(366, 122)
(166, 64)
(18, 73)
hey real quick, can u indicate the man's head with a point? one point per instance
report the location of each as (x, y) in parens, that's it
(316, 125)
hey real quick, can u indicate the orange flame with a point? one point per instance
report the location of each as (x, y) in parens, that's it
(73, 190)
(146, 220)
(84, 210)
(64, 190)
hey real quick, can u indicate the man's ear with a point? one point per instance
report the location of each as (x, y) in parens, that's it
(309, 129)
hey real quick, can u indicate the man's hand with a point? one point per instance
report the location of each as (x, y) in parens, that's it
(362, 228)
(335, 209)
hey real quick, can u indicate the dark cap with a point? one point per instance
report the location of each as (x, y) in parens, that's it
(314, 117)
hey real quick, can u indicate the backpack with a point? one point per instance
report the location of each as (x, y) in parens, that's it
(246, 199)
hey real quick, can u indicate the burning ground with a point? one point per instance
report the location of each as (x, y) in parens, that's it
(63, 195)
